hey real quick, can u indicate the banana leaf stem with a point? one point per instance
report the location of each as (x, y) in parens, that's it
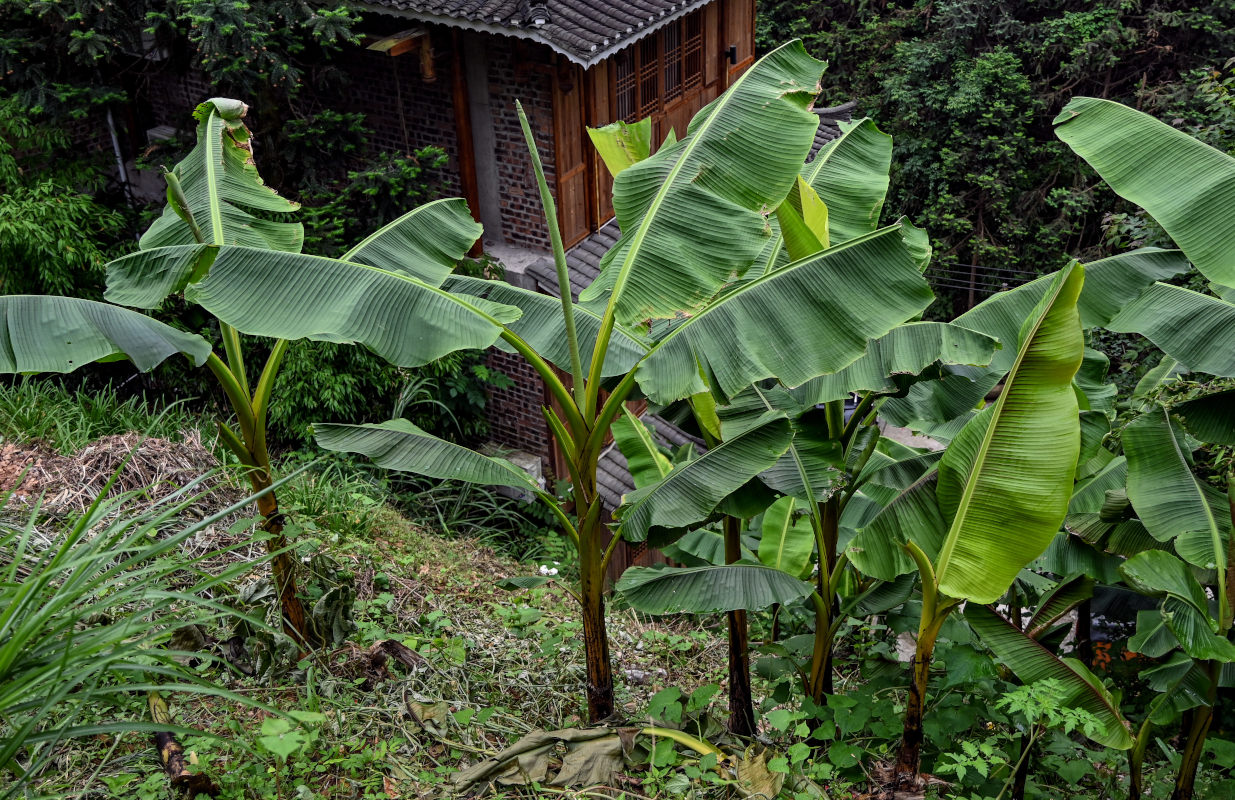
(573, 419)
(851, 426)
(235, 355)
(236, 395)
(261, 400)
(559, 261)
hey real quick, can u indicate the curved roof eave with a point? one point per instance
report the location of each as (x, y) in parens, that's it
(598, 53)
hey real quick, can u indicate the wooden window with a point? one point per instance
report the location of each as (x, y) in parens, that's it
(672, 35)
(649, 74)
(692, 51)
(654, 74)
(627, 88)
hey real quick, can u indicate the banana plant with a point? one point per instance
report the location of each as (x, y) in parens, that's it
(825, 463)
(1025, 651)
(215, 198)
(693, 219)
(996, 499)
(1186, 186)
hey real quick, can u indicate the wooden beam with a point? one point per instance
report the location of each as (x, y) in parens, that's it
(463, 133)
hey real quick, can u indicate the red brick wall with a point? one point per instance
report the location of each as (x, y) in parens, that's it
(515, 419)
(520, 71)
(380, 85)
(173, 96)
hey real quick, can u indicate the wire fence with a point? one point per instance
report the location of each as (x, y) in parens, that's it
(981, 281)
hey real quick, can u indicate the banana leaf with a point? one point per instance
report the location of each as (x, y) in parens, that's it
(807, 319)
(1005, 481)
(1031, 662)
(222, 190)
(399, 445)
(1188, 187)
(60, 334)
(668, 259)
(690, 491)
(700, 590)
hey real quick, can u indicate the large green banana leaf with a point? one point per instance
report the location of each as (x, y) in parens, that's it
(1210, 418)
(809, 469)
(750, 406)
(1110, 284)
(786, 539)
(621, 144)
(543, 326)
(878, 548)
(1169, 500)
(425, 242)
(644, 459)
(693, 215)
(1098, 394)
(1192, 328)
(222, 188)
(1187, 186)
(850, 176)
(707, 589)
(400, 445)
(148, 277)
(1059, 601)
(1089, 495)
(1181, 684)
(60, 334)
(691, 491)
(1031, 662)
(1185, 606)
(807, 319)
(1005, 481)
(296, 296)
(892, 361)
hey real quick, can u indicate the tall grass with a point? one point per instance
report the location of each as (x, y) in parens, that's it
(34, 409)
(87, 620)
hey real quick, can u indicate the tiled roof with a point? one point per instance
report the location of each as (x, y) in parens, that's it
(583, 260)
(612, 475)
(584, 31)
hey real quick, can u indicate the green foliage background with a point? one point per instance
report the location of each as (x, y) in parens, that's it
(968, 90)
(65, 63)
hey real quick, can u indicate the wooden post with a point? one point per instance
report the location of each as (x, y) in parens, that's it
(463, 132)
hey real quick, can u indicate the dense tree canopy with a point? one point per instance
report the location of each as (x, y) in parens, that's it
(968, 90)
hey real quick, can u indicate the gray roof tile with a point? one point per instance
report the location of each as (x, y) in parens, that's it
(612, 476)
(585, 31)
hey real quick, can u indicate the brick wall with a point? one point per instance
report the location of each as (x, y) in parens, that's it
(515, 418)
(517, 70)
(404, 111)
(173, 96)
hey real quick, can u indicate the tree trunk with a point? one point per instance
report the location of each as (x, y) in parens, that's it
(1203, 717)
(741, 710)
(596, 649)
(599, 689)
(909, 761)
(296, 623)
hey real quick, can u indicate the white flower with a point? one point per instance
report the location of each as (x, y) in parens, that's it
(544, 570)
(553, 571)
